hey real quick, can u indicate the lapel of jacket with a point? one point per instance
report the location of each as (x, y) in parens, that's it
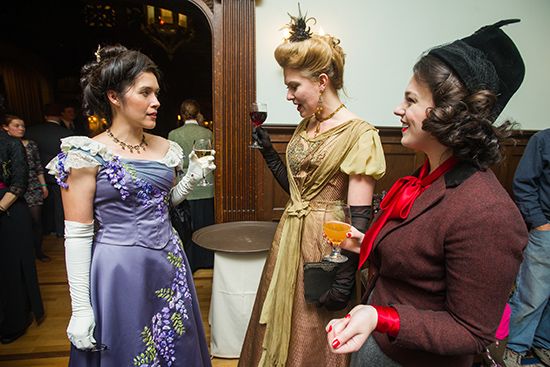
(430, 197)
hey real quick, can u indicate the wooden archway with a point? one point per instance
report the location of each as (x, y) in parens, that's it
(234, 88)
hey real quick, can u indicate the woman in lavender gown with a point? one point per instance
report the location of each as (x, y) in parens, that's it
(132, 293)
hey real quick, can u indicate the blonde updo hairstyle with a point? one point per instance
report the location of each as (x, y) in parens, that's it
(313, 57)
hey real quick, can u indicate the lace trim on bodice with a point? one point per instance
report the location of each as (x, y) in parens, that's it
(174, 156)
(81, 152)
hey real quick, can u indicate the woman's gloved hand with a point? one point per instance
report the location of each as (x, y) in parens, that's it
(197, 169)
(78, 257)
(271, 158)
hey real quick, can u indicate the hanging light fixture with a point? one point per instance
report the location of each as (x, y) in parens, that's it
(167, 28)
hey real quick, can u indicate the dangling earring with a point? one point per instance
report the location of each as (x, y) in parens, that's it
(319, 109)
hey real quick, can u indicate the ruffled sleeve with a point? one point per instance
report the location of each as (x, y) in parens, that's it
(366, 157)
(77, 152)
(174, 156)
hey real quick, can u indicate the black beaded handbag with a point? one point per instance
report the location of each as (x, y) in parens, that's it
(318, 278)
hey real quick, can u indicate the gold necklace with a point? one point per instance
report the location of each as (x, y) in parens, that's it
(138, 147)
(322, 119)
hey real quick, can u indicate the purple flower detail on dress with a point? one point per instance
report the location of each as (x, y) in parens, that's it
(152, 195)
(167, 325)
(62, 174)
(117, 176)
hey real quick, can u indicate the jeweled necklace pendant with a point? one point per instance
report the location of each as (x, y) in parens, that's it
(138, 147)
(322, 119)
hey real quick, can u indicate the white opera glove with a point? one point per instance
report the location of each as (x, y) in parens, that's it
(78, 257)
(197, 169)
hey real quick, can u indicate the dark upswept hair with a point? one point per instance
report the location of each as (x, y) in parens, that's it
(9, 118)
(461, 120)
(115, 68)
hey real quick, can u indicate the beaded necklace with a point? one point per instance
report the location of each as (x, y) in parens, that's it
(138, 147)
(322, 119)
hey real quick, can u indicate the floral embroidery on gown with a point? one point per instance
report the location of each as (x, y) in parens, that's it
(142, 291)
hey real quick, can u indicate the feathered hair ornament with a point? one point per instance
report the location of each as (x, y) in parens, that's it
(298, 28)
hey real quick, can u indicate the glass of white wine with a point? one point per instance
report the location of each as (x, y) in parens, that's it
(203, 148)
(336, 223)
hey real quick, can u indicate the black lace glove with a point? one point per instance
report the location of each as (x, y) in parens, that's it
(337, 297)
(271, 158)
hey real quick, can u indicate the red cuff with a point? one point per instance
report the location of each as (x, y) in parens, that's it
(388, 320)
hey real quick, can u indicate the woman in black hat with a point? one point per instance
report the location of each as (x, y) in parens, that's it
(445, 248)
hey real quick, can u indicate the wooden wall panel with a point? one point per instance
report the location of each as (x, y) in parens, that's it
(400, 162)
(234, 88)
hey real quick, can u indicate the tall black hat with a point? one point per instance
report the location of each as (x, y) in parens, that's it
(488, 59)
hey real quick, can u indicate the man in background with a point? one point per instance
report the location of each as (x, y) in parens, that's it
(201, 200)
(530, 319)
(47, 136)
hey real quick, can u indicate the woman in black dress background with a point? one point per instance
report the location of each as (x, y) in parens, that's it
(19, 291)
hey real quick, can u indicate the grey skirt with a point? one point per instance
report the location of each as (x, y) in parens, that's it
(370, 354)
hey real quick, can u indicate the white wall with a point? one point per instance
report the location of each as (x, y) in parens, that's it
(383, 40)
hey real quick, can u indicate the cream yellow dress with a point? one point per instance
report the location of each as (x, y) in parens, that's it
(284, 330)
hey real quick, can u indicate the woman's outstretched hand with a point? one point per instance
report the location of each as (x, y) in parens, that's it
(348, 334)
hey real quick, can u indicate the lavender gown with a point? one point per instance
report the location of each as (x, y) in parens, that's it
(142, 290)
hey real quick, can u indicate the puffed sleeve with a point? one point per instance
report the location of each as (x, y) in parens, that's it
(76, 152)
(174, 157)
(366, 157)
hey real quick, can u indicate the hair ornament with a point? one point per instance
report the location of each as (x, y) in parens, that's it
(298, 28)
(97, 54)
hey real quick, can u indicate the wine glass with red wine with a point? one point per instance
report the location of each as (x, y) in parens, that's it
(258, 114)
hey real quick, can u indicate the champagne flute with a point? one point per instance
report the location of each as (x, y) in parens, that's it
(203, 148)
(258, 114)
(336, 223)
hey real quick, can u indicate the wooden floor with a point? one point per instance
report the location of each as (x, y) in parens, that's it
(46, 345)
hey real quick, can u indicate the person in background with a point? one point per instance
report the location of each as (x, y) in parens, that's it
(75, 122)
(333, 156)
(19, 292)
(201, 200)
(37, 189)
(132, 295)
(67, 117)
(444, 250)
(530, 303)
(47, 136)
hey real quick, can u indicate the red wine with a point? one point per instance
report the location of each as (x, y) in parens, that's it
(258, 117)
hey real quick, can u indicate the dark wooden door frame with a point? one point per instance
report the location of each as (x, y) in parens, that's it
(234, 87)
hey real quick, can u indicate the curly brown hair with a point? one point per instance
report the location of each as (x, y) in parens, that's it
(461, 120)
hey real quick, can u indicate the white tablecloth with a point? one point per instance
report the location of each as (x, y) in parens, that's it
(234, 285)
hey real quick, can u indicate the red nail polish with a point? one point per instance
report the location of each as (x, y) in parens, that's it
(348, 316)
(329, 329)
(335, 343)
(348, 235)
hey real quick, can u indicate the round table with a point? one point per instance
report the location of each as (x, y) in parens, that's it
(240, 251)
(245, 236)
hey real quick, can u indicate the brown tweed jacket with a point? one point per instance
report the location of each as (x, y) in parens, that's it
(448, 269)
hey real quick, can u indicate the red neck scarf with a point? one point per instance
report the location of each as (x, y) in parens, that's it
(399, 200)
